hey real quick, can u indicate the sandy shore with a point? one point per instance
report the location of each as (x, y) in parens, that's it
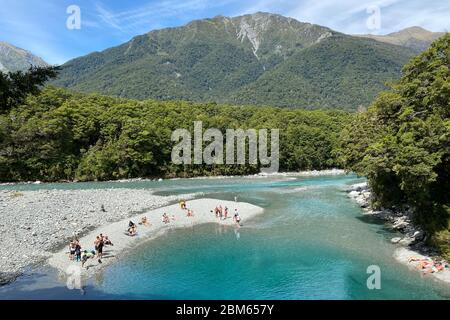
(124, 243)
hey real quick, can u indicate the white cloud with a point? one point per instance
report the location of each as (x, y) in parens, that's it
(139, 19)
(350, 16)
(346, 16)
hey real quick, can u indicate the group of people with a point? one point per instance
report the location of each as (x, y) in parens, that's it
(428, 265)
(189, 212)
(99, 243)
(222, 214)
(75, 252)
(132, 227)
(166, 219)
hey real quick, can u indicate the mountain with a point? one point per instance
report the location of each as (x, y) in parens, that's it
(259, 58)
(415, 38)
(342, 72)
(13, 58)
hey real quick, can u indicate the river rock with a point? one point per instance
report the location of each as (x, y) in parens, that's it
(353, 194)
(406, 241)
(396, 239)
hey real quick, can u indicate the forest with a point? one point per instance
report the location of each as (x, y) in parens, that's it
(63, 135)
(402, 143)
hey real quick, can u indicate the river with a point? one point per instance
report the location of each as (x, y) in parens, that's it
(311, 242)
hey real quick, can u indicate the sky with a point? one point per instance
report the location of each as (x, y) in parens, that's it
(50, 28)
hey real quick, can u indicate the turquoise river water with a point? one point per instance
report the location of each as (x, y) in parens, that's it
(312, 242)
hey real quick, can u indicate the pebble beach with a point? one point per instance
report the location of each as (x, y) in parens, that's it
(123, 243)
(35, 224)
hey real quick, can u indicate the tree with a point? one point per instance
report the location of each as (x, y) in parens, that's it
(16, 86)
(402, 143)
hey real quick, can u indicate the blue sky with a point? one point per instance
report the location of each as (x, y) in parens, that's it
(40, 26)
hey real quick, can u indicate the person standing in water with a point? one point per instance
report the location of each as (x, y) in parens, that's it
(237, 217)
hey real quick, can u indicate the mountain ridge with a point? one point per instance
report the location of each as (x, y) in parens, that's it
(13, 58)
(222, 59)
(414, 37)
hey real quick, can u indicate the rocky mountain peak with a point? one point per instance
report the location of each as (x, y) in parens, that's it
(13, 58)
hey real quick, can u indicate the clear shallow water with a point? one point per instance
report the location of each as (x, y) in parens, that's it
(311, 243)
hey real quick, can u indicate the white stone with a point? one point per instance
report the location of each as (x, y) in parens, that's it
(396, 239)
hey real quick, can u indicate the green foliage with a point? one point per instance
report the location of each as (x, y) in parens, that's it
(402, 144)
(340, 72)
(59, 135)
(295, 65)
(15, 86)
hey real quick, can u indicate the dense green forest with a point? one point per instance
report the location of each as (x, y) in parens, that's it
(341, 72)
(402, 143)
(61, 135)
(259, 59)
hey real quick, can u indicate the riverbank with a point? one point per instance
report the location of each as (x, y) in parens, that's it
(123, 243)
(411, 250)
(34, 224)
(305, 173)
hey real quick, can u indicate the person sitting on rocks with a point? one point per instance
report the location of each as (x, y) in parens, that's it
(106, 240)
(425, 264)
(132, 228)
(165, 218)
(132, 231)
(145, 222)
(416, 259)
